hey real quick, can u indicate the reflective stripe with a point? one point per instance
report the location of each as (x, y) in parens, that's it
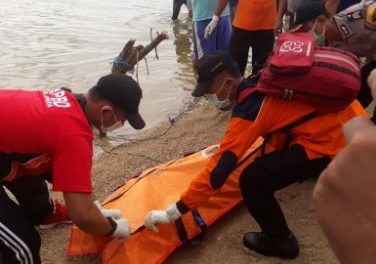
(16, 245)
(334, 57)
(197, 41)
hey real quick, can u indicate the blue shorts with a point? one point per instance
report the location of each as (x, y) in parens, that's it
(218, 40)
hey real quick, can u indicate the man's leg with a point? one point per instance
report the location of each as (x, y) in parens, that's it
(239, 47)
(176, 8)
(259, 181)
(19, 241)
(262, 44)
(33, 197)
(222, 33)
(197, 47)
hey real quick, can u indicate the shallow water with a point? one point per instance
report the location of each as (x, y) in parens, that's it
(46, 44)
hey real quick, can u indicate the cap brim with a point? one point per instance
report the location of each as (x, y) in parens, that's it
(295, 28)
(136, 121)
(201, 89)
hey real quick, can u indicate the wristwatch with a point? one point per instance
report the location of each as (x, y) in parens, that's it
(113, 225)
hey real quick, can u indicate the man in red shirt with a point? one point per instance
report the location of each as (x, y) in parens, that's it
(48, 136)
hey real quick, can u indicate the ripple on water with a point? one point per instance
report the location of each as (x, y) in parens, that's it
(54, 43)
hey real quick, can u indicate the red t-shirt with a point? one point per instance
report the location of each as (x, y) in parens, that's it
(52, 123)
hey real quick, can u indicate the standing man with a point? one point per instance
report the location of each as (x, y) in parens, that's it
(210, 31)
(48, 136)
(253, 27)
(313, 144)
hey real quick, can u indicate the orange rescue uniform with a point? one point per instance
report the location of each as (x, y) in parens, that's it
(254, 15)
(257, 116)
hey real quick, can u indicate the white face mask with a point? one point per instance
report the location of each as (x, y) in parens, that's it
(320, 38)
(214, 100)
(112, 127)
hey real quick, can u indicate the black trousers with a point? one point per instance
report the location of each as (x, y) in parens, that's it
(270, 173)
(19, 240)
(176, 8)
(260, 41)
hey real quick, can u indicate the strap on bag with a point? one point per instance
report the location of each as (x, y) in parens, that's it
(182, 232)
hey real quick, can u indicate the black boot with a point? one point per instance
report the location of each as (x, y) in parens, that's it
(277, 246)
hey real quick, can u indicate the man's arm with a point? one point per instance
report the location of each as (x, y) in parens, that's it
(221, 5)
(85, 214)
(345, 197)
(282, 7)
(71, 175)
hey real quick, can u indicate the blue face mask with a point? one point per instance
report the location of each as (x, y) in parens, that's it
(214, 100)
(320, 38)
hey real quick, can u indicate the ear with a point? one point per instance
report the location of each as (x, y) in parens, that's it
(106, 111)
(321, 19)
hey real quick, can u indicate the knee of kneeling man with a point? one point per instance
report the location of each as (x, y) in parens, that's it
(253, 178)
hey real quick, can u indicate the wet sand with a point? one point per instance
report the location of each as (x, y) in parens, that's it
(193, 131)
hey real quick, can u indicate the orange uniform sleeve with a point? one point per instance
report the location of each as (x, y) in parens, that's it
(239, 137)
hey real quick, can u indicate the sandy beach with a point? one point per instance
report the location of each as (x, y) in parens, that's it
(200, 126)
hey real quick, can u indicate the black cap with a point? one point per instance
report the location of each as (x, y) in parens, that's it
(208, 67)
(307, 12)
(124, 93)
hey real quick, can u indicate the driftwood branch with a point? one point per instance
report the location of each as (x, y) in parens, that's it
(130, 54)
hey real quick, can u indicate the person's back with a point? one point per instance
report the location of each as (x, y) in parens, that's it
(47, 136)
(255, 15)
(253, 27)
(36, 121)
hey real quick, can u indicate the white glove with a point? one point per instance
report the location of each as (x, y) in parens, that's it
(155, 217)
(113, 213)
(211, 26)
(122, 230)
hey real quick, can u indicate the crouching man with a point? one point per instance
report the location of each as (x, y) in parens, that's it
(314, 142)
(48, 136)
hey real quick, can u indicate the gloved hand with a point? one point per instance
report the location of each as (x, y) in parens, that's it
(155, 217)
(113, 213)
(211, 26)
(122, 229)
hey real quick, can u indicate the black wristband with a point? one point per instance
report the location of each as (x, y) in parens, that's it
(113, 224)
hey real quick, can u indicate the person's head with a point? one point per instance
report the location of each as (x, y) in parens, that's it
(312, 17)
(218, 77)
(113, 101)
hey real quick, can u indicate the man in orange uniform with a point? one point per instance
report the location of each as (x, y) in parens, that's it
(253, 26)
(314, 142)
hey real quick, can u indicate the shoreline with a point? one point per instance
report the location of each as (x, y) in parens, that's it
(198, 127)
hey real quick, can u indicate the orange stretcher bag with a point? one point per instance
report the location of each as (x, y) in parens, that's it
(156, 188)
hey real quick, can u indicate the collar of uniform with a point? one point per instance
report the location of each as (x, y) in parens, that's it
(244, 84)
(81, 100)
